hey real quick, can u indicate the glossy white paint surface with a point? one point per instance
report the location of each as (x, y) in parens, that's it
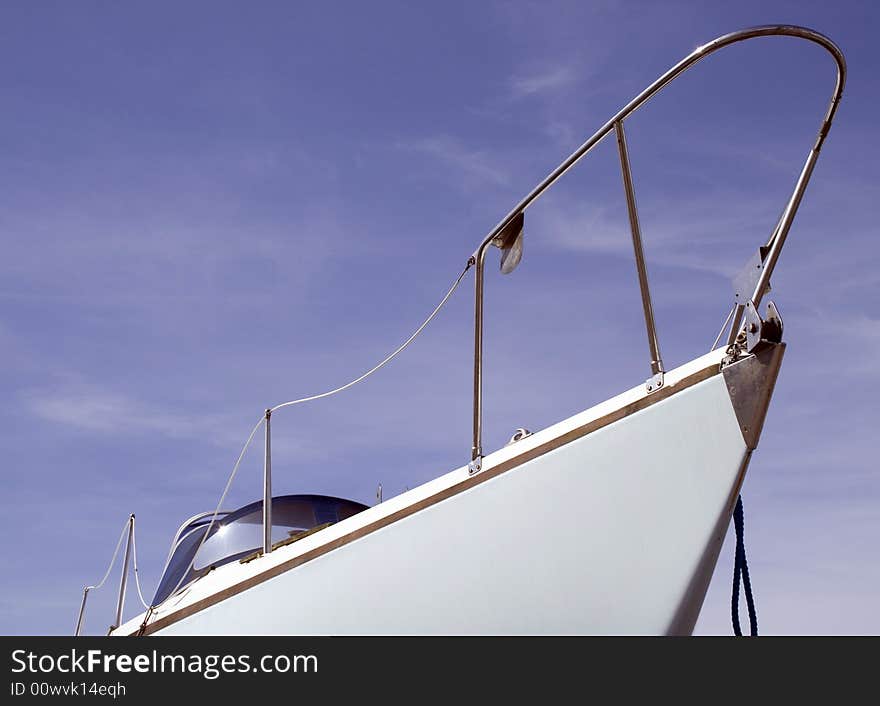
(616, 532)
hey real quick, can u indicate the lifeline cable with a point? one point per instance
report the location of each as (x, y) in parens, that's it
(402, 346)
(211, 523)
(723, 327)
(82, 608)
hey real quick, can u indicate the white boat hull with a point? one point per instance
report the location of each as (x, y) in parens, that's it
(616, 531)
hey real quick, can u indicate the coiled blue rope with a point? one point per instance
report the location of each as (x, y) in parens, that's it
(741, 570)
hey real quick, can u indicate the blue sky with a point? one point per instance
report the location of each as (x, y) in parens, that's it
(210, 208)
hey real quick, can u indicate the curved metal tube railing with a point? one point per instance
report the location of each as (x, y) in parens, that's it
(775, 243)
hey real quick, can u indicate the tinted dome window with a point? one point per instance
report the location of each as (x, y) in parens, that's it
(239, 533)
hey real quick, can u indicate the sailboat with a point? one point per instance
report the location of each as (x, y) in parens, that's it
(607, 522)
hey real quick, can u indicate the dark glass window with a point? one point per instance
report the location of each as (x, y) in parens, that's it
(236, 534)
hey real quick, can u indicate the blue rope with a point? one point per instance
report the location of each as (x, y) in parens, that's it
(741, 569)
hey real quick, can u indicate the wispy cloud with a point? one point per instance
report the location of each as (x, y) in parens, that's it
(549, 80)
(97, 410)
(474, 166)
(563, 134)
(693, 236)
